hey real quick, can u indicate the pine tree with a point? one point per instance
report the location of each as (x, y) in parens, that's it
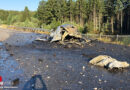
(99, 13)
(70, 10)
(119, 11)
(110, 8)
(63, 10)
(81, 11)
(26, 14)
(41, 12)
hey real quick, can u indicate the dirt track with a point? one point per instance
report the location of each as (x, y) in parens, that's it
(49, 66)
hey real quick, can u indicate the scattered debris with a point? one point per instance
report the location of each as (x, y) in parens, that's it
(80, 82)
(95, 88)
(48, 77)
(43, 38)
(108, 62)
(83, 68)
(54, 55)
(40, 60)
(15, 82)
(63, 31)
(105, 81)
(47, 66)
(65, 34)
(99, 80)
(11, 54)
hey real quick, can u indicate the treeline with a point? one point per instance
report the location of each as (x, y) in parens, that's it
(94, 16)
(24, 18)
(90, 16)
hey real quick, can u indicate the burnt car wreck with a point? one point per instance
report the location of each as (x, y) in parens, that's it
(65, 34)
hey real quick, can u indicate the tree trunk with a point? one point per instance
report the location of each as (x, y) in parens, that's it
(70, 17)
(94, 17)
(112, 26)
(118, 22)
(77, 19)
(96, 23)
(80, 19)
(121, 21)
(99, 22)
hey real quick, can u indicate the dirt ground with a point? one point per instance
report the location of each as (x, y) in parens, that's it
(50, 66)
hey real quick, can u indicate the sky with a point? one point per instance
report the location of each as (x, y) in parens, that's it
(19, 5)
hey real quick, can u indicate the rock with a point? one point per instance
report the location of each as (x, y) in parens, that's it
(95, 89)
(108, 62)
(15, 82)
(11, 54)
(40, 60)
(83, 68)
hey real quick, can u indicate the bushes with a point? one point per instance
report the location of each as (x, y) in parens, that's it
(1, 22)
(27, 23)
(46, 26)
(89, 27)
(126, 41)
(53, 25)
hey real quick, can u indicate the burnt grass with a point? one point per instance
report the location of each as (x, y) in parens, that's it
(52, 66)
(61, 66)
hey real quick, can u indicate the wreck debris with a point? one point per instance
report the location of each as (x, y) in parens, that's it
(63, 31)
(43, 38)
(15, 82)
(65, 34)
(108, 62)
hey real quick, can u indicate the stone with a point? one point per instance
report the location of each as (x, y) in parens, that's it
(15, 82)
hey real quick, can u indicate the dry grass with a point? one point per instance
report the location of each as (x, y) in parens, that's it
(25, 30)
(108, 40)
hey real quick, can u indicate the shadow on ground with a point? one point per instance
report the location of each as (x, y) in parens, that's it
(32, 83)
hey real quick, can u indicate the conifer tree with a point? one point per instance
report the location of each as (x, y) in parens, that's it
(26, 14)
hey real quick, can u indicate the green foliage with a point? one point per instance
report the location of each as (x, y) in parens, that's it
(25, 14)
(12, 19)
(3, 15)
(46, 26)
(53, 25)
(90, 16)
(1, 22)
(27, 23)
(126, 41)
(89, 27)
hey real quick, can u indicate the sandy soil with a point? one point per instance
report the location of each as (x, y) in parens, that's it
(50, 66)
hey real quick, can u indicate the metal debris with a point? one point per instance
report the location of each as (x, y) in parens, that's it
(65, 34)
(63, 31)
(43, 38)
(108, 62)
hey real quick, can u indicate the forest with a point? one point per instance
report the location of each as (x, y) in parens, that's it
(90, 16)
